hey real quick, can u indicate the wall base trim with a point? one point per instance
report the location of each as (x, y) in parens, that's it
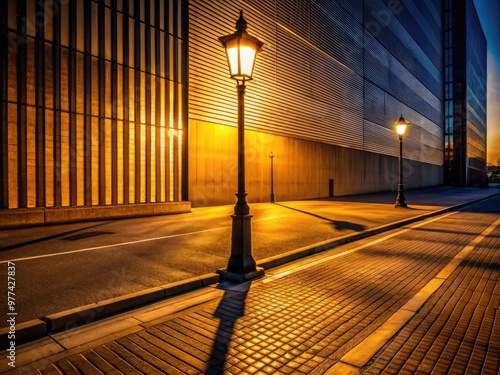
(15, 218)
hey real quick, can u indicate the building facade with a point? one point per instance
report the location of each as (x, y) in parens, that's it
(333, 78)
(126, 104)
(465, 95)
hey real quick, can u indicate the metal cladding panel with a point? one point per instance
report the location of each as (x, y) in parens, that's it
(423, 139)
(384, 70)
(320, 77)
(298, 90)
(386, 28)
(336, 32)
(427, 30)
(295, 15)
(374, 104)
(380, 139)
(355, 8)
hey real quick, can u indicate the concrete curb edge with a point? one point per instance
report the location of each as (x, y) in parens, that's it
(75, 317)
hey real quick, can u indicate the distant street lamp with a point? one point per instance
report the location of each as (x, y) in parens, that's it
(400, 126)
(241, 50)
(271, 156)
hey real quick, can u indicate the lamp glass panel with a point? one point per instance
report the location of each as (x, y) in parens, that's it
(400, 129)
(241, 58)
(232, 55)
(247, 56)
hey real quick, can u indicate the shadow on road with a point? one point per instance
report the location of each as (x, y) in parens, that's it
(230, 309)
(60, 235)
(338, 224)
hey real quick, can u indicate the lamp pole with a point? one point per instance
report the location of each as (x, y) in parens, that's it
(400, 126)
(271, 156)
(241, 49)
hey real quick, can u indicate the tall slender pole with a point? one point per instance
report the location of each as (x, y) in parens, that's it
(271, 156)
(241, 265)
(400, 199)
(241, 207)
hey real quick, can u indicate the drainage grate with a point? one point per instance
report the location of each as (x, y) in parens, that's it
(84, 235)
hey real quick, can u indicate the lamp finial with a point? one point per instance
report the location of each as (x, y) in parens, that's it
(241, 24)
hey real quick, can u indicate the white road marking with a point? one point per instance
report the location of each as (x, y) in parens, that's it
(129, 243)
(110, 246)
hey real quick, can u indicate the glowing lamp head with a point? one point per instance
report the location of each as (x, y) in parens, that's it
(241, 50)
(401, 125)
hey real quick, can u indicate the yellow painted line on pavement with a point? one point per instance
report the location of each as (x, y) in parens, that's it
(354, 360)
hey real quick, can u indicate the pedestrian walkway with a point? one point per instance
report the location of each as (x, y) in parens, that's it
(400, 301)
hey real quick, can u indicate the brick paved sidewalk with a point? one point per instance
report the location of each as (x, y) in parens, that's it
(458, 330)
(305, 317)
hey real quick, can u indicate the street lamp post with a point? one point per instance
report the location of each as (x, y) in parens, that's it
(241, 50)
(400, 126)
(271, 156)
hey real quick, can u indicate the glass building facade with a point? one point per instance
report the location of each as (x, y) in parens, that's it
(465, 95)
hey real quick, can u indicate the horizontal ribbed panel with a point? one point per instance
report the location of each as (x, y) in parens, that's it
(330, 19)
(384, 70)
(379, 139)
(298, 90)
(374, 103)
(386, 28)
(320, 77)
(295, 15)
(425, 30)
(417, 147)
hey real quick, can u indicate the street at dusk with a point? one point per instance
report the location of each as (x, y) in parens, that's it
(249, 187)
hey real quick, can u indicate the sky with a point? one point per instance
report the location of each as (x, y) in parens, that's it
(489, 15)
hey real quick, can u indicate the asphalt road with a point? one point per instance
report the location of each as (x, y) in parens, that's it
(65, 266)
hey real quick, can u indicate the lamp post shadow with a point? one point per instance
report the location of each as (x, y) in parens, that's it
(229, 310)
(337, 224)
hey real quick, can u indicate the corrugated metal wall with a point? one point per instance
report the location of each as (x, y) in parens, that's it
(335, 72)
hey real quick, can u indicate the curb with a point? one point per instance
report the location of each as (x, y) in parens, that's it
(72, 318)
(319, 247)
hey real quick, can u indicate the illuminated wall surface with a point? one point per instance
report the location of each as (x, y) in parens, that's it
(118, 102)
(465, 91)
(93, 102)
(332, 79)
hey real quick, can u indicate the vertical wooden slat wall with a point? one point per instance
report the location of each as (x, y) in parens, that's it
(90, 102)
(4, 186)
(338, 73)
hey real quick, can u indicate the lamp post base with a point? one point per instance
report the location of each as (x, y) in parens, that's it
(238, 277)
(241, 265)
(400, 199)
